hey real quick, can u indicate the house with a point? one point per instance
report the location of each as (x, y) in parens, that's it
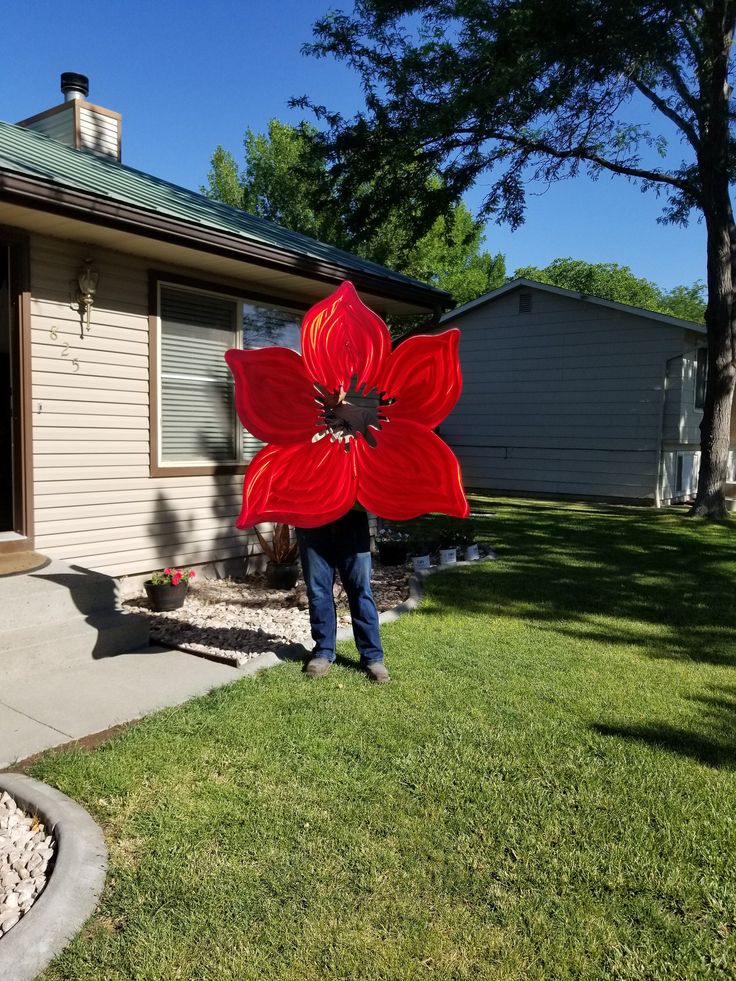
(566, 394)
(120, 293)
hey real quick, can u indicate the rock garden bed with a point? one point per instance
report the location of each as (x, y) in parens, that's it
(234, 620)
(26, 853)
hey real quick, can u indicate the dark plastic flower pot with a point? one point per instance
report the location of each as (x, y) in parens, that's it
(282, 576)
(165, 597)
(392, 553)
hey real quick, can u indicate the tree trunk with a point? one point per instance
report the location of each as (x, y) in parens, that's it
(715, 428)
(714, 170)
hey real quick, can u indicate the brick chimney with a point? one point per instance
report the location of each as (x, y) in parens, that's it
(79, 123)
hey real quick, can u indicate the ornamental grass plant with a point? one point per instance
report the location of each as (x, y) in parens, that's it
(547, 789)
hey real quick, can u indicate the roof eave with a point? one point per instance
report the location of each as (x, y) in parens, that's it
(42, 195)
(574, 295)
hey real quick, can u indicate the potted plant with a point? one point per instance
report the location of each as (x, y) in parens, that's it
(282, 552)
(466, 541)
(167, 590)
(420, 547)
(447, 541)
(392, 544)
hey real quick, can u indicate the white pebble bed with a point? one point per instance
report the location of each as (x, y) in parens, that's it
(25, 854)
(236, 620)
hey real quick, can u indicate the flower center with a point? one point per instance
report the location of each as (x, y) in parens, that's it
(349, 415)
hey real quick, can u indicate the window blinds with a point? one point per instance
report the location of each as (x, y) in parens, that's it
(197, 409)
(198, 420)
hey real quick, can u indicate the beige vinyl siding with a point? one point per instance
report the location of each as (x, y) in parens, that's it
(57, 126)
(98, 132)
(95, 502)
(565, 399)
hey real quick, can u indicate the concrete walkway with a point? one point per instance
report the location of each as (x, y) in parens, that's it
(61, 704)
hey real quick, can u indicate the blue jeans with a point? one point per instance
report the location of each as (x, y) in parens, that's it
(341, 546)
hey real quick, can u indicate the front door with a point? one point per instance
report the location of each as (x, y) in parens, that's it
(14, 512)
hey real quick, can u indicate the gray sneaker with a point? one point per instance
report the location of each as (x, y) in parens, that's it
(377, 672)
(318, 667)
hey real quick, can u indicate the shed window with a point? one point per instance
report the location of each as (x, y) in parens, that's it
(197, 423)
(701, 376)
(525, 302)
(679, 474)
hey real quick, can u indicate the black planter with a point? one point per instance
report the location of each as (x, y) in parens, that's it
(282, 576)
(392, 553)
(165, 597)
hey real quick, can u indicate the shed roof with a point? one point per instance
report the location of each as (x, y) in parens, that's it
(573, 295)
(43, 173)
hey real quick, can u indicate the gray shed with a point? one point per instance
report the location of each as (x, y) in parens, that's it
(566, 394)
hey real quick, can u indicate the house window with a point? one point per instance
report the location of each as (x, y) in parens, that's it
(196, 394)
(701, 376)
(198, 428)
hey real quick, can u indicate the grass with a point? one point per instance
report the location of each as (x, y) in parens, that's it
(546, 791)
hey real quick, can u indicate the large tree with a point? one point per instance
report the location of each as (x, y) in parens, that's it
(285, 179)
(611, 281)
(522, 89)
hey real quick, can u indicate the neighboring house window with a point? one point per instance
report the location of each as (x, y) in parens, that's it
(197, 427)
(701, 376)
(525, 302)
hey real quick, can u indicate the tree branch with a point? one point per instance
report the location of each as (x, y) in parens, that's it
(678, 83)
(582, 153)
(666, 110)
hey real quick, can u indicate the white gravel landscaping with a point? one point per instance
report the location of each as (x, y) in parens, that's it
(234, 620)
(25, 854)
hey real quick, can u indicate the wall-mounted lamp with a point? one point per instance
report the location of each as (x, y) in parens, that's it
(87, 281)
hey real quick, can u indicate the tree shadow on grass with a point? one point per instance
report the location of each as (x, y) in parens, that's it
(717, 749)
(617, 576)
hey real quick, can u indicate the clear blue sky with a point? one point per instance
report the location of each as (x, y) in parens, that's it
(187, 76)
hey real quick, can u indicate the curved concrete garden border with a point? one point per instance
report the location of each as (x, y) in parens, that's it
(73, 886)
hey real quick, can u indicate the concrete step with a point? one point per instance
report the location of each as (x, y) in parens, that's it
(61, 615)
(55, 593)
(38, 647)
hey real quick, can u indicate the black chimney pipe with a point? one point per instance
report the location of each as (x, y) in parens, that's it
(74, 86)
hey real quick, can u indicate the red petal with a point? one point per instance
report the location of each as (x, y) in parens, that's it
(274, 396)
(410, 472)
(341, 337)
(423, 375)
(305, 484)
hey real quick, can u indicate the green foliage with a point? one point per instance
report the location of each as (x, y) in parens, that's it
(610, 281)
(223, 179)
(280, 548)
(529, 89)
(171, 576)
(285, 179)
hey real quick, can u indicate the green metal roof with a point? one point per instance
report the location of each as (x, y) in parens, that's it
(41, 159)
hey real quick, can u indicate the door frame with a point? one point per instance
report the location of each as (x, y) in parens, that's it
(18, 245)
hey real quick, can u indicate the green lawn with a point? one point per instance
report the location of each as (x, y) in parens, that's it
(546, 790)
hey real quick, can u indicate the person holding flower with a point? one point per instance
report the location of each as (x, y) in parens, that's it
(327, 459)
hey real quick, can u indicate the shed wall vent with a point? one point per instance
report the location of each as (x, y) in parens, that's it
(525, 302)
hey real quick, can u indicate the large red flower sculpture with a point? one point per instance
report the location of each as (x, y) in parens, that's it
(324, 453)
